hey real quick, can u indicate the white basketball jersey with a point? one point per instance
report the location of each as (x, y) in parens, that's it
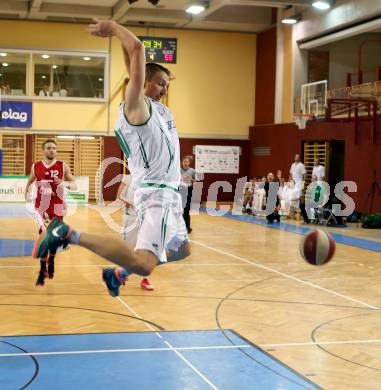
(152, 148)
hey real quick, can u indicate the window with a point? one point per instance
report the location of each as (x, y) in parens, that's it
(13, 73)
(69, 76)
(13, 146)
(53, 74)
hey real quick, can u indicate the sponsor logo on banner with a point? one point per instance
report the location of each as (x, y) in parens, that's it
(15, 114)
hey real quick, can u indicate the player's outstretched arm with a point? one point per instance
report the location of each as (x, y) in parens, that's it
(134, 54)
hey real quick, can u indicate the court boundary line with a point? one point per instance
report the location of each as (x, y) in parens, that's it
(284, 275)
(164, 349)
(184, 359)
(212, 347)
(124, 350)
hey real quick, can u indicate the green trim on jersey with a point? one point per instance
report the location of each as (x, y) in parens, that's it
(143, 152)
(171, 156)
(158, 186)
(122, 143)
(164, 226)
(142, 124)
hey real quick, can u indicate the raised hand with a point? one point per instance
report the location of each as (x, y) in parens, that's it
(102, 28)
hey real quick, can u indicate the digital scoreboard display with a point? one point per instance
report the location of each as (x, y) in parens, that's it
(160, 50)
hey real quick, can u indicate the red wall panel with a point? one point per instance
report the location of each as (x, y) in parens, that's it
(265, 77)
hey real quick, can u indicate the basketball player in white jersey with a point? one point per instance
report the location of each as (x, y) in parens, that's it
(147, 134)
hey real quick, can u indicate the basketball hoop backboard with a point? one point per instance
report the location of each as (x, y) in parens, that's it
(314, 98)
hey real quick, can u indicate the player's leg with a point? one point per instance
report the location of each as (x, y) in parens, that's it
(140, 262)
(155, 226)
(57, 234)
(50, 262)
(42, 220)
(130, 234)
(180, 253)
(177, 246)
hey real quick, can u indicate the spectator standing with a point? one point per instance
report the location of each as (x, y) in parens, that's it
(188, 177)
(298, 171)
(318, 170)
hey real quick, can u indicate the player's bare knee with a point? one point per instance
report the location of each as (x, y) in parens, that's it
(146, 263)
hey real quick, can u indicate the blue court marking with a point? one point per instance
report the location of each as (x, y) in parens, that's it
(16, 248)
(143, 361)
(14, 210)
(22, 210)
(339, 238)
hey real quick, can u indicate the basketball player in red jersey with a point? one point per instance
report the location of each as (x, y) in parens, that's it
(51, 178)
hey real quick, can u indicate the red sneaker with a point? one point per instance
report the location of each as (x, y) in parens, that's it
(146, 285)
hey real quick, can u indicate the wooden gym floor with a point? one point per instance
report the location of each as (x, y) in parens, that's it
(323, 323)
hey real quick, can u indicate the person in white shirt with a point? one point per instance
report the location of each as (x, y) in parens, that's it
(294, 196)
(259, 194)
(44, 91)
(318, 170)
(248, 192)
(284, 195)
(298, 171)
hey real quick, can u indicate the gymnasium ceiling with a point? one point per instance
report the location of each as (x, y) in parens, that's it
(226, 15)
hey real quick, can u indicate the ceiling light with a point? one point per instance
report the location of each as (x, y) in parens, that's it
(5, 64)
(292, 19)
(45, 56)
(1, 74)
(55, 66)
(3, 54)
(195, 9)
(322, 4)
(100, 79)
(86, 58)
(43, 77)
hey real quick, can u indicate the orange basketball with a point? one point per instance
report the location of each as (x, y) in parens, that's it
(317, 247)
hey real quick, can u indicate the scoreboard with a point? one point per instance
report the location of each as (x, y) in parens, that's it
(160, 50)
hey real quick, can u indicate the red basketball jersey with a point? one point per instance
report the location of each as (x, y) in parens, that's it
(48, 193)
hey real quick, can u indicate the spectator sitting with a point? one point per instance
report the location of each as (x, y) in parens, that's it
(248, 193)
(284, 195)
(279, 175)
(314, 194)
(6, 89)
(63, 92)
(294, 194)
(259, 196)
(274, 216)
(56, 92)
(44, 91)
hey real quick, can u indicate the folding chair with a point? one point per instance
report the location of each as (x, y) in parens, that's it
(324, 216)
